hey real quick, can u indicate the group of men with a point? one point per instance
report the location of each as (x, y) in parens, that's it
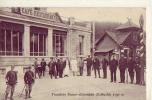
(39, 68)
(125, 66)
(11, 81)
(57, 65)
(95, 64)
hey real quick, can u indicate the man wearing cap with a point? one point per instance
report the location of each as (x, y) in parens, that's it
(131, 66)
(43, 67)
(89, 64)
(96, 66)
(122, 68)
(113, 68)
(29, 81)
(104, 67)
(11, 78)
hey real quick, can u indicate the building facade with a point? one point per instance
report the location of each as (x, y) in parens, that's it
(123, 40)
(28, 33)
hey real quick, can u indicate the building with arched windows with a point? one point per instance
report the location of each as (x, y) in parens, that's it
(28, 33)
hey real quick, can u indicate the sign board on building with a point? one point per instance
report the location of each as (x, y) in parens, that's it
(39, 14)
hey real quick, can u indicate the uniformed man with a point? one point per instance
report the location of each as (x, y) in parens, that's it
(61, 66)
(113, 68)
(122, 68)
(11, 80)
(89, 64)
(50, 67)
(43, 67)
(96, 66)
(104, 67)
(29, 81)
(131, 66)
(137, 69)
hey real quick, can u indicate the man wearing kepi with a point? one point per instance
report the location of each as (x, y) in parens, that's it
(96, 66)
(29, 81)
(104, 67)
(131, 66)
(89, 64)
(113, 68)
(43, 67)
(11, 78)
(122, 68)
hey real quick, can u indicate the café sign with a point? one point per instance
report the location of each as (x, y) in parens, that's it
(39, 14)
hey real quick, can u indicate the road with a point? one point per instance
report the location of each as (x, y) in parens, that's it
(78, 88)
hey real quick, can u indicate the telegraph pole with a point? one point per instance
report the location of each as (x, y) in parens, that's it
(93, 39)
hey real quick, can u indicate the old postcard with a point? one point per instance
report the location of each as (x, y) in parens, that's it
(73, 53)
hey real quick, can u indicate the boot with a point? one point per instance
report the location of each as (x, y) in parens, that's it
(30, 94)
(6, 95)
(26, 94)
(11, 97)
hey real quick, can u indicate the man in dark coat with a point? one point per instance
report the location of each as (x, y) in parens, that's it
(50, 65)
(131, 66)
(137, 69)
(104, 67)
(89, 64)
(11, 78)
(122, 68)
(96, 66)
(57, 66)
(43, 67)
(113, 68)
(61, 66)
(29, 81)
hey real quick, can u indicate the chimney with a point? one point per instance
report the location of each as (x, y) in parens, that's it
(88, 25)
(71, 20)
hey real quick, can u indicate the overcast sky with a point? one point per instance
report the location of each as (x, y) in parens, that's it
(109, 14)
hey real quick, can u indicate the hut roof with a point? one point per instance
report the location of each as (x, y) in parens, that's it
(128, 25)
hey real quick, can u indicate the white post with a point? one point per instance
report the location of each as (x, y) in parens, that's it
(50, 42)
(26, 40)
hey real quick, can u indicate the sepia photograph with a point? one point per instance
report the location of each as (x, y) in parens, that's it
(73, 53)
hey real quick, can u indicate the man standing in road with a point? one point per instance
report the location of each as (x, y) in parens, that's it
(113, 68)
(122, 68)
(61, 66)
(80, 64)
(43, 67)
(89, 64)
(131, 66)
(29, 80)
(96, 66)
(137, 69)
(50, 65)
(11, 80)
(104, 67)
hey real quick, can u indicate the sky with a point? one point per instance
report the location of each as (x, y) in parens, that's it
(102, 14)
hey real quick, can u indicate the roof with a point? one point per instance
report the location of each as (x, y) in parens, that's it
(106, 45)
(110, 41)
(127, 25)
(99, 39)
(118, 37)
